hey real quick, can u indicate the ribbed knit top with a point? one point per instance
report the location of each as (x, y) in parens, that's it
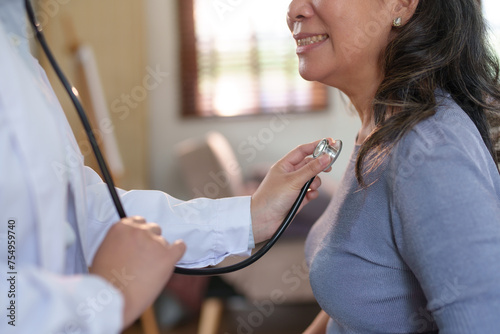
(419, 249)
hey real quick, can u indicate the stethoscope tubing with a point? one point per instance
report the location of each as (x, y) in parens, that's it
(109, 180)
(263, 250)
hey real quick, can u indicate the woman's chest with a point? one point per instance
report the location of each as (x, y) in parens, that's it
(356, 272)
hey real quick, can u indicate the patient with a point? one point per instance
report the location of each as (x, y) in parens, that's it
(411, 241)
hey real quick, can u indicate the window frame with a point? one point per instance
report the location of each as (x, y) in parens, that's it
(189, 74)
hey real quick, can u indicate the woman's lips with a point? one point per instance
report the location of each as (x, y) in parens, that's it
(309, 41)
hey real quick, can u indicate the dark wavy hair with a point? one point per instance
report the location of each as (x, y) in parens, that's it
(444, 45)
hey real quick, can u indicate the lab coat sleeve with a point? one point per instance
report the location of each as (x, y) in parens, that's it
(211, 229)
(49, 303)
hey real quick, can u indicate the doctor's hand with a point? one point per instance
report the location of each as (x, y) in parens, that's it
(281, 186)
(135, 250)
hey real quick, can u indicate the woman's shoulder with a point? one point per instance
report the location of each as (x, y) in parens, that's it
(446, 139)
(449, 126)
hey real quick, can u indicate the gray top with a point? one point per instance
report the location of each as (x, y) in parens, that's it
(419, 249)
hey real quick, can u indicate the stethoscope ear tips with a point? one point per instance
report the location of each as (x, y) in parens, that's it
(333, 150)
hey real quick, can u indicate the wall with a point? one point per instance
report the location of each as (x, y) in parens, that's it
(166, 128)
(115, 29)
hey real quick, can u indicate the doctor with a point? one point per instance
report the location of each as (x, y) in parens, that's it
(57, 218)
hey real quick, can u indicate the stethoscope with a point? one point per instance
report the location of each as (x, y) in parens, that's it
(323, 147)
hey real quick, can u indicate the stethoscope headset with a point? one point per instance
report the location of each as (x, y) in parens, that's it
(322, 148)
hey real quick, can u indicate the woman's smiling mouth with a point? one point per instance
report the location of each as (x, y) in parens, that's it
(311, 40)
(306, 42)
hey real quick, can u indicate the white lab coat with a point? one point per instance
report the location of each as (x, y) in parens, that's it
(61, 210)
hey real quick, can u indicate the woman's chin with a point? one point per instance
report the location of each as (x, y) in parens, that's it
(309, 75)
(311, 72)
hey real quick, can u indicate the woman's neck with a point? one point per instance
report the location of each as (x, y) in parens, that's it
(362, 94)
(364, 107)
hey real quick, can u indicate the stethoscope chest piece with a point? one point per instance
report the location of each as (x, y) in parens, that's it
(325, 148)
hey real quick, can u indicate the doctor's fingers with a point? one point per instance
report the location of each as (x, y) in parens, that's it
(159, 249)
(153, 228)
(300, 176)
(134, 220)
(176, 250)
(148, 235)
(141, 223)
(298, 154)
(302, 169)
(324, 159)
(315, 184)
(138, 219)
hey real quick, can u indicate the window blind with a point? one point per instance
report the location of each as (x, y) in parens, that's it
(237, 62)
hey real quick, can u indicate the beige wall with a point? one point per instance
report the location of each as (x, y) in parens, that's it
(115, 29)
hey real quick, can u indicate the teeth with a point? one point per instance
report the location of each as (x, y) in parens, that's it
(311, 40)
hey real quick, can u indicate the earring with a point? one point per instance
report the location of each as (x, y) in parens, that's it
(397, 22)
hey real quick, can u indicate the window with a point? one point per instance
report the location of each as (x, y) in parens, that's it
(238, 58)
(491, 9)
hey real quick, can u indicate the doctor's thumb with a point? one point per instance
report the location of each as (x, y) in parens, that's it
(177, 250)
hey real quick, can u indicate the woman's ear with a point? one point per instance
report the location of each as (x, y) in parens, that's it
(404, 9)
